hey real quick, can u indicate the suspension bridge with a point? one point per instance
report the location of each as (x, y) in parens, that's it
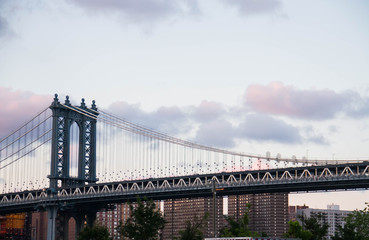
(73, 160)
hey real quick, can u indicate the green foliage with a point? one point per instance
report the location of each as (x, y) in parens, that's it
(193, 229)
(238, 228)
(356, 227)
(94, 233)
(295, 231)
(264, 234)
(144, 223)
(316, 225)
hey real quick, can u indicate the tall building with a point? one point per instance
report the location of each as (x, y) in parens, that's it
(292, 212)
(111, 218)
(178, 211)
(268, 212)
(332, 215)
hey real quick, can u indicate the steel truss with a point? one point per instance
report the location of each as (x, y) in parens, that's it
(312, 178)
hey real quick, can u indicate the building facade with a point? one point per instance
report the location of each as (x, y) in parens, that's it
(268, 212)
(111, 218)
(332, 215)
(179, 211)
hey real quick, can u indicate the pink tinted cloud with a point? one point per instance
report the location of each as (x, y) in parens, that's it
(279, 99)
(17, 107)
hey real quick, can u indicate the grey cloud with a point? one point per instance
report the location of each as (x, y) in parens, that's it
(208, 111)
(140, 10)
(359, 107)
(311, 135)
(320, 104)
(3, 26)
(264, 128)
(170, 113)
(128, 111)
(250, 7)
(170, 120)
(218, 133)
(333, 129)
(318, 139)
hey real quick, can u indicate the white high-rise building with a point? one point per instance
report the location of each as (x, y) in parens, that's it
(332, 215)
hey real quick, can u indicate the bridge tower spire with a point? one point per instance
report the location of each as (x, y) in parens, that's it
(64, 115)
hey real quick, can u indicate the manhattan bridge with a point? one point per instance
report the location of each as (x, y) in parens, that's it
(73, 160)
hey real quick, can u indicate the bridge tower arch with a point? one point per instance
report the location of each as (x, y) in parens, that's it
(63, 116)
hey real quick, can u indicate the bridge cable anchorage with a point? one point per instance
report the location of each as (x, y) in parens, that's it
(135, 128)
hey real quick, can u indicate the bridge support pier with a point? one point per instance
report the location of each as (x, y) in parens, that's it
(62, 226)
(52, 212)
(58, 221)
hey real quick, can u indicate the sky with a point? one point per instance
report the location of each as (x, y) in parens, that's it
(284, 76)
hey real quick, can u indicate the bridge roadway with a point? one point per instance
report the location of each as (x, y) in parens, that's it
(299, 179)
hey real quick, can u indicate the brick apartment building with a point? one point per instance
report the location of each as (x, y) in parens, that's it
(268, 212)
(178, 211)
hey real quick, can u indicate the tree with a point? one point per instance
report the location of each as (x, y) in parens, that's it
(95, 232)
(193, 229)
(316, 225)
(295, 231)
(144, 223)
(356, 226)
(238, 228)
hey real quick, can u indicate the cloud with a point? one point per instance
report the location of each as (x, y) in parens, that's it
(278, 99)
(4, 29)
(17, 107)
(208, 111)
(170, 120)
(140, 10)
(264, 128)
(250, 7)
(210, 124)
(359, 107)
(217, 133)
(7, 8)
(175, 120)
(311, 135)
(128, 111)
